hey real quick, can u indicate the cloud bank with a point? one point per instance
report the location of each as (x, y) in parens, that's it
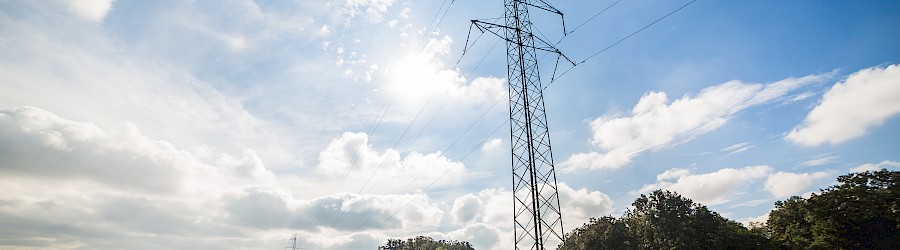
(655, 123)
(850, 108)
(723, 185)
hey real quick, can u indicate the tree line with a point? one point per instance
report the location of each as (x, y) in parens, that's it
(425, 243)
(861, 212)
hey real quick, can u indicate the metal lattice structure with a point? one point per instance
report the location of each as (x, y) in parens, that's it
(294, 245)
(538, 219)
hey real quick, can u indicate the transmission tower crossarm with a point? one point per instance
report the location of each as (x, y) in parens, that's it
(545, 6)
(549, 8)
(490, 27)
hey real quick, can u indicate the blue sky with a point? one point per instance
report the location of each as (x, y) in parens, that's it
(234, 124)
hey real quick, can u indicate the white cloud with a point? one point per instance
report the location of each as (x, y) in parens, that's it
(654, 123)
(62, 173)
(673, 174)
(421, 76)
(373, 9)
(405, 12)
(783, 184)
(370, 166)
(709, 189)
(466, 209)
(578, 206)
(820, 161)
(94, 10)
(781, 88)
(492, 144)
(72, 217)
(53, 147)
(70, 66)
(141, 116)
(755, 221)
(737, 148)
(875, 167)
(801, 96)
(219, 195)
(267, 207)
(850, 108)
(438, 46)
(77, 171)
(751, 203)
(343, 241)
(497, 203)
(480, 235)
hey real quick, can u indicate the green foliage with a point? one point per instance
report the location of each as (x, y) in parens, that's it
(861, 212)
(603, 233)
(788, 223)
(664, 220)
(425, 243)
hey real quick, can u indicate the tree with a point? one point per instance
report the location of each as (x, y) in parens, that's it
(788, 223)
(664, 220)
(861, 212)
(599, 233)
(425, 243)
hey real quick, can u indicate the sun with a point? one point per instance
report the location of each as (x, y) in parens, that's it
(415, 78)
(238, 42)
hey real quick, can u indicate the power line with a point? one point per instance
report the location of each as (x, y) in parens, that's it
(343, 213)
(379, 118)
(408, 202)
(446, 101)
(445, 14)
(638, 31)
(589, 19)
(385, 158)
(565, 34)
(621, 40)
(518, 33)
(446, 171)
(473, 124)
(506, 121)
(447, 149)
(482, 58)
(537, 214)
(428, 34)
(436, 14)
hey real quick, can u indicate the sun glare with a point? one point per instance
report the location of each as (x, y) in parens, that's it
(415, 77)
(239, 42)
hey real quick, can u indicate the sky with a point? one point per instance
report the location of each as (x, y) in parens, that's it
(234, 124)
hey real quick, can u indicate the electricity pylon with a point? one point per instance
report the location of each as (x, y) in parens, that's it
(294, 245)
(537, 215)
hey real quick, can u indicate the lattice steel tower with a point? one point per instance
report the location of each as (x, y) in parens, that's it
(538, 220)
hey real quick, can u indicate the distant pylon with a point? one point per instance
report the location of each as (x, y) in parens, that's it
(537, 215)
(294, 245)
